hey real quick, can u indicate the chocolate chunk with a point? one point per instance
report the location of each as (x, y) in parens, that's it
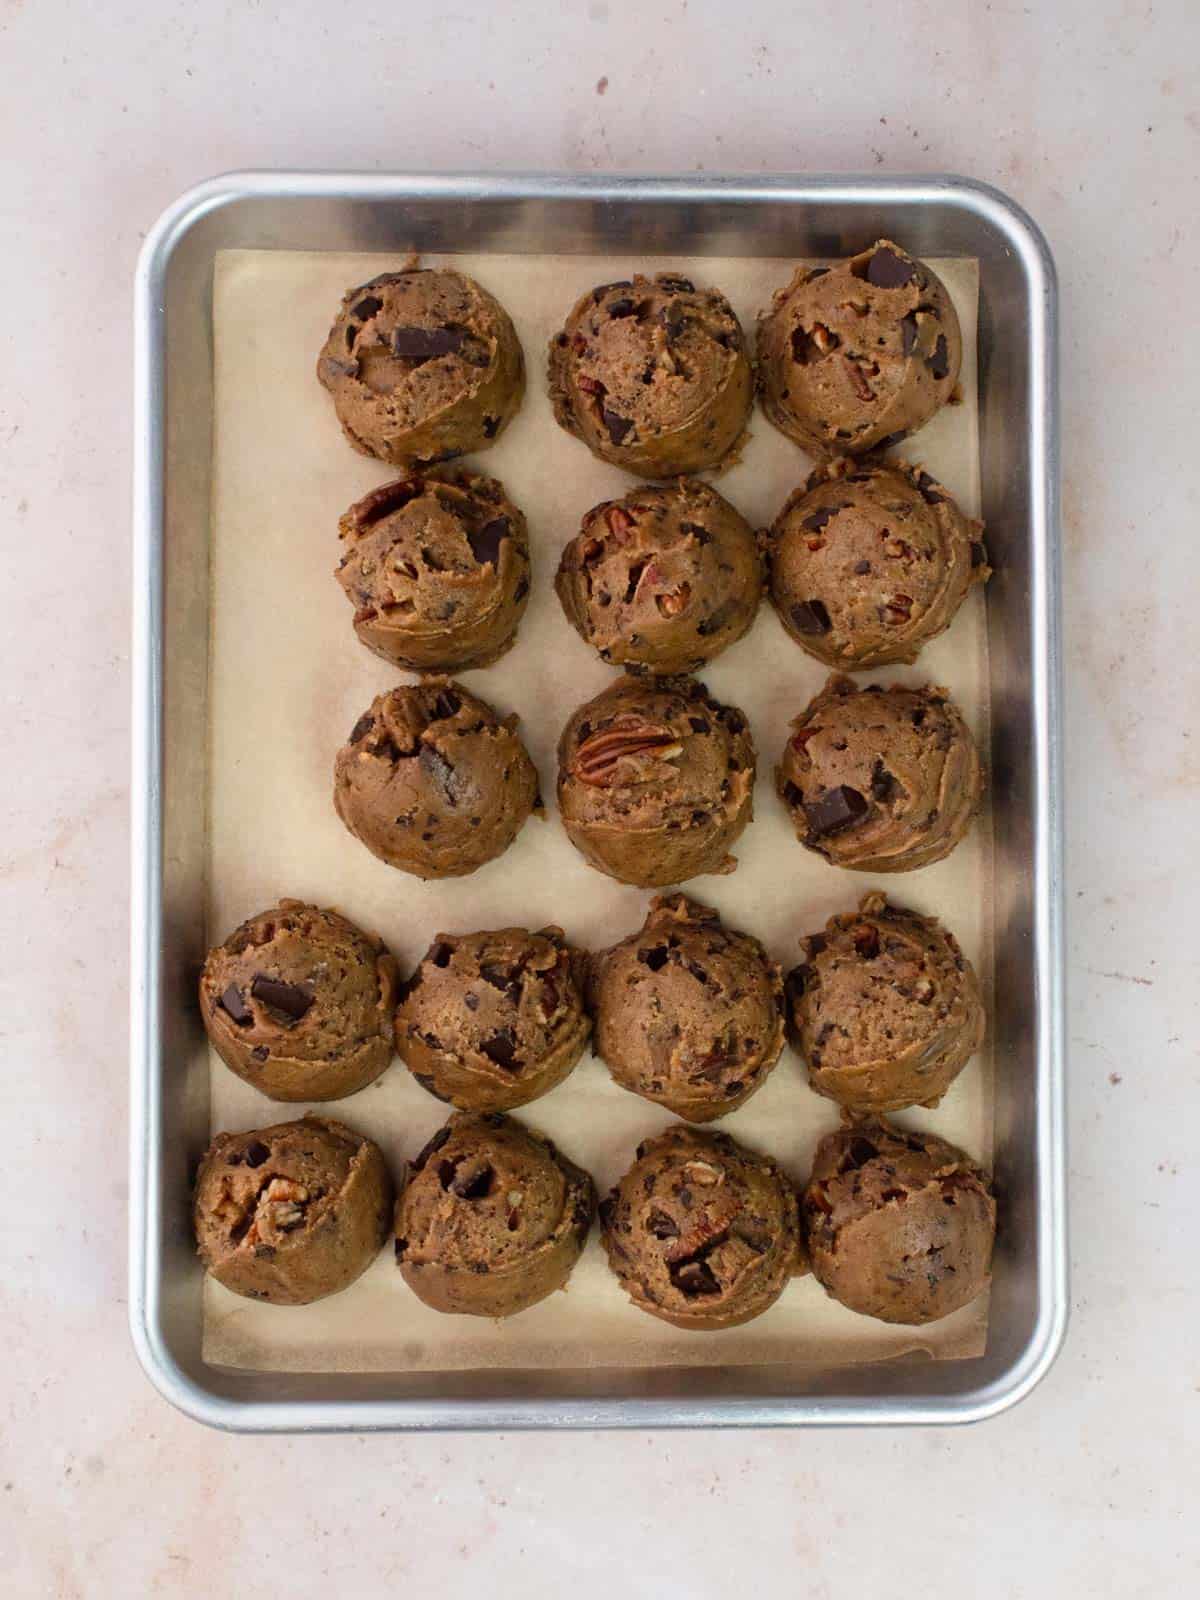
(362, 727)
(908, 333)
(811, 617)
(232, 1003)
(290, 998)
(701, 535)
(861, 568)
(506, 979)
(700, 725)
(816, 942)
(887, 270)
(661, 1225)
(819, 518)
(400, 1247)
(473, 1184)
(865, 938)
(694, 1278)
(446, 704)
(733, 719)
(260, 1052)
(485, 542)
(501, 1048)
(654, 958)
(431, 1148)
(621, 283)
(256, 1153)
(861, 1151)
(835, 810)
(792, 795)
(889, 439)
(939, 362)
(807, 348)
(816, 272)
(440, 954)
(491, 427)
(979, 553)
(617, 426)
(521, 590)
(435, 765)
(883, 784)
(623, 306)
(797, 980)
(674, 282)
(366, 307)
(419, 345)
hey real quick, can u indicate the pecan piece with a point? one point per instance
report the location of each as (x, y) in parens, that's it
(633, 743)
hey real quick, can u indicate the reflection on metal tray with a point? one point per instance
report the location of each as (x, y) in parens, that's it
(780, 219)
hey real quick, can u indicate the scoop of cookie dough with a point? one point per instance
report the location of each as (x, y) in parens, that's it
(437, 569)
(885, 1008)
(701, 1232)
(291, 1213)
(490, 1021)
(662, 580)
(869, 561)
(860, 353)
(881, 780)
(299, 1002)
(688, 1013)
(900, 1225)
(493, 1219)
(422, 365)
(655, 781)
(432, 781)
(653, 376)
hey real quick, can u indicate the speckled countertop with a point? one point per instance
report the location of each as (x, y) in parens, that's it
(1089, 114)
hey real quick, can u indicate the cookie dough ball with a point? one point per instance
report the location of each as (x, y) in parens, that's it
(662, 580)
(432, 781)
(900, 1225)
(885, 1009)
(653, 376)
(701, 1232)
(869, 561)
(688, 1013)
(881, 780)
(292, 1213)
(859, 353)
(437, 569)
(422, 365)
(299, 1002)
(655, 781)
(493, 1218)
(490, 1021)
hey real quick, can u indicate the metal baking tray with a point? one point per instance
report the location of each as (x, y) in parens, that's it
(781, 217)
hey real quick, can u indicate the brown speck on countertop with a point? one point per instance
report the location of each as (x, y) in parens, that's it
(1123, 977)
(1114, 1077)
(601, 85)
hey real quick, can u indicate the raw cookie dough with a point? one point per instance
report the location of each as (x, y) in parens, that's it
(299, 1002)
(688, 1013)
(858, 354)
(653, 375)
(493, 1218)
(870, 560)
(881, 780)
(885, 1009)
(433, 782)
(655, 781)
(701, 1232)
(422, 365)
(292, 1213)
(490, 1021)
(437, 569)
(900, 1225)
(662, 580)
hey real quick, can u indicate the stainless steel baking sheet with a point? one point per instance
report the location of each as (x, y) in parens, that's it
(778, 1375)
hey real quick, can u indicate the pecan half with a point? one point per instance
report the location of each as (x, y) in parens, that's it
(630, 745)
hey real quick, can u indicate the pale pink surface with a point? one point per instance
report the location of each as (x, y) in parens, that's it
(1086, 113)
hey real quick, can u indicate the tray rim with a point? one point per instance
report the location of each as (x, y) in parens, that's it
(1035, 1359)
